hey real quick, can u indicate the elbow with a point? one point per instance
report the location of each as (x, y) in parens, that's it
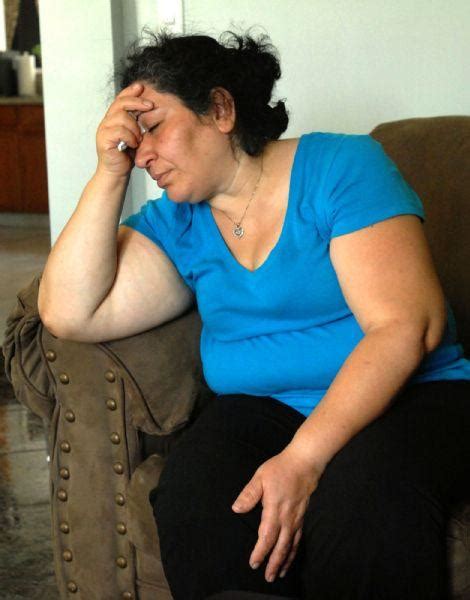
(45, 313)
(428, 331)
(59, 325)
(51, 325)
(56, 327)
(422, 334)
(435, 328)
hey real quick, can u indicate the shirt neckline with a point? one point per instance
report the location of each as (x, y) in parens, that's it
(220, 242)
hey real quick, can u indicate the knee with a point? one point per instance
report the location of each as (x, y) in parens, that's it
(392, 545)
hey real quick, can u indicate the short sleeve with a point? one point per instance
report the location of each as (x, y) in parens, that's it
(363, 187)
(164, 222)
(154, 220)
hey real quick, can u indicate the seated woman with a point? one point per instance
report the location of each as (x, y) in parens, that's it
(325, 466)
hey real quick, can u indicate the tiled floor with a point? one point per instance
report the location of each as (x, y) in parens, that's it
(26, 570)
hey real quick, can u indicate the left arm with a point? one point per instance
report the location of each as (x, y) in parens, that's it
(388, 279)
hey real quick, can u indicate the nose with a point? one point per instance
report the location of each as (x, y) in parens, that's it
(144, 152)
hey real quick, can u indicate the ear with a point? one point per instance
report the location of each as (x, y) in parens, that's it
(223, 109)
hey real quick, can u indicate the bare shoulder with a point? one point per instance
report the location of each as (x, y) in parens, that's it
(281, 149)
(279, 158)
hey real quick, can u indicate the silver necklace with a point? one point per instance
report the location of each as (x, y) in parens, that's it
(238, 230)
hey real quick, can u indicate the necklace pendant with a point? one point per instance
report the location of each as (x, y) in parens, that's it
(238, 231)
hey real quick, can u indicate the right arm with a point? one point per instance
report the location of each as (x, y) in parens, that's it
(102, 281)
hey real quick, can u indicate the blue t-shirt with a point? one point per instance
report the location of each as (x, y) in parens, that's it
(285, 329)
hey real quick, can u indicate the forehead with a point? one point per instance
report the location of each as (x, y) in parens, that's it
(161, 101)
(160, 98)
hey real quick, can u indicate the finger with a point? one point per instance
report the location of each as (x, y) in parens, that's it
(130, 121)
(249, 497)
(268, 533)
(127, 120)
(292, 553)
(126, 135)
(129, 104)
(133, 89)
(280, 553)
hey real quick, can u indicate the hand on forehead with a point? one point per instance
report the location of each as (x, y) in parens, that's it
(143, 118)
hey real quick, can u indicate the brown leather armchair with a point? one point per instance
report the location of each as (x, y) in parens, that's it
(115, 409)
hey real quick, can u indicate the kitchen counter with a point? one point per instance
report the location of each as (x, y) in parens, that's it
(21, 100)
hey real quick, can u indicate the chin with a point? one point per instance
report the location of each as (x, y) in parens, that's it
(179, 197)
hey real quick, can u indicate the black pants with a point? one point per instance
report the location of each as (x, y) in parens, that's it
(375, 527)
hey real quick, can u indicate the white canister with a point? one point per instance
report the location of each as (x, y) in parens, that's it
(26, 73)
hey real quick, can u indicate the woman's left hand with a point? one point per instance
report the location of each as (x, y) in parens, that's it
(284, 484)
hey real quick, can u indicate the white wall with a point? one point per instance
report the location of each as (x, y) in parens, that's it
(3, 33)
(351, 64)
(81, 41)
(77, 57)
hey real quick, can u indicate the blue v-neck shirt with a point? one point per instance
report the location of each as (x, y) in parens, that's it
(285, 329)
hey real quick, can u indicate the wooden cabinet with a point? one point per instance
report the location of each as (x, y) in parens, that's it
(23, 172)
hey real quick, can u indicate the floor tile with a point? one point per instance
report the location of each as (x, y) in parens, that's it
(26, 558)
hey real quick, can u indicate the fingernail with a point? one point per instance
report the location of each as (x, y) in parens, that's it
(270, 578)
(255, 565)
(282, 573)
(147, 102)
(236, 507)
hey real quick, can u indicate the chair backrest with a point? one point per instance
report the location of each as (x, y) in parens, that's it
(433, 154)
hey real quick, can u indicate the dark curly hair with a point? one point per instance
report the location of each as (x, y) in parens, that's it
(190, 66)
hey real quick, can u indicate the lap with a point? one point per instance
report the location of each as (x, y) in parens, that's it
(396, 476)
(421, 439)
(219, 453)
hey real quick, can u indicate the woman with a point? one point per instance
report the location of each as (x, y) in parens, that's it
(325, 467)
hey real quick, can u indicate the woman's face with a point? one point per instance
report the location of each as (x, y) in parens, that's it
(189, 157)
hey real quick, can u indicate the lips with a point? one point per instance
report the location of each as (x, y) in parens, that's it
(160, 178)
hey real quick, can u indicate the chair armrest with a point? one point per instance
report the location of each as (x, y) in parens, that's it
(97, 397)
(164, 369)
(163, 366)
(25, 364)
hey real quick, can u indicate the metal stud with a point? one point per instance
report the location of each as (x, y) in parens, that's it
(72, 587)
(64, 473)
(127, 596)
(121, 528)
(64, 378)
(65, 446)
(67, 555)
(51, 355)
(121, 562)
(114, 437)
(118, 468)
(70, 416)
(111, 404)
(64, 527)
(119, 498)
(110, 376)
(62, 495)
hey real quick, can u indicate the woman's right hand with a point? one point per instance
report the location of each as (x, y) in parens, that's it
(118, 125)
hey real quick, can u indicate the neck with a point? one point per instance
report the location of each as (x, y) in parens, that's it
(243, 179)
